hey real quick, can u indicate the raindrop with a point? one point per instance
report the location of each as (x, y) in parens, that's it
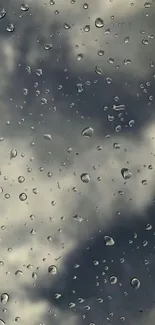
(78, 218)
(86, 28)
(22, 196)
(13, 153)
(2, 322)
(116, 145)
(47, 136)
(19, 273)
(148, 227)
(135, 283)
(126, 173)
(109, 241)
(100, 52)
(4, 298)
(47, 46)
(98, 70)
(79, 87)
(145, 41)
(119, 107)
(67, 26)
(35, 190)
(147, 4)
(131, 123)
(79, 56)
(52, 269)
(2, 13)
(10, 28)
(85, 178)
(24, 7)
(99, 23)
(87, 132)
(21, 179)
(113, 279)
(85, 6)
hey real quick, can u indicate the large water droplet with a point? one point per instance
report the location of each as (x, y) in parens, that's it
(109, 241)
(87, 132)
(135, 283)
(99, 23)
(126, 173)
(4, 298)
(85, 178)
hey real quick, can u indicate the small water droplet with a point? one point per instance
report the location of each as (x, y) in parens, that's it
(109, 241)
(126, 173)
(52, 269)
(22, 196)
(79, 88)
(21, 179)
(24, 7)
(85, 178)
(13, 153)
(10, 28)
(47, 136)
(87, 132)
(135, 283)
(19, 273)
(2, 13)
(85, 6)
(4, 298)
(116, 145)
(78, 218)
(113, 279)
(99, 23)
(47, 46)
(147, 4)
(86, 28)
(100, 52)
(145, 41)
(79, 56)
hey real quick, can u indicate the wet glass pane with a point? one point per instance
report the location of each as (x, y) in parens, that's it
(77, 159)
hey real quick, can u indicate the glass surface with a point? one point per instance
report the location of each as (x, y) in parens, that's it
(77, 159)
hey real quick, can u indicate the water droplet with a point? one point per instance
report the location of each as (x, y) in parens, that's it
(79, 87)
(39, 72)
(21, 179)
(23, 196)
(144, 182)
(24, 7)
(52, 269)
(131, 123)
(116, 145)
(113, 279)
(100, 52)
(10, 28)
(78, 218)
(47, 46)
(35, 190)
(17, 319)
(135, 283)
(85, 6)
(19, 273)
(7, 196)
(67, 26)
(126, 173)
(147, 4)
(145, 41)
(127, 39)
(148, 227)
(85, 178)
(47, 136)
(109, 241)
(2, 13)
(4, 298)
(13, 153)
(87, 132)
(99, 23)
(79, 56)
(98, 70)
(34, 275)
(119, 107)
(2, 322)
(86, 28)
